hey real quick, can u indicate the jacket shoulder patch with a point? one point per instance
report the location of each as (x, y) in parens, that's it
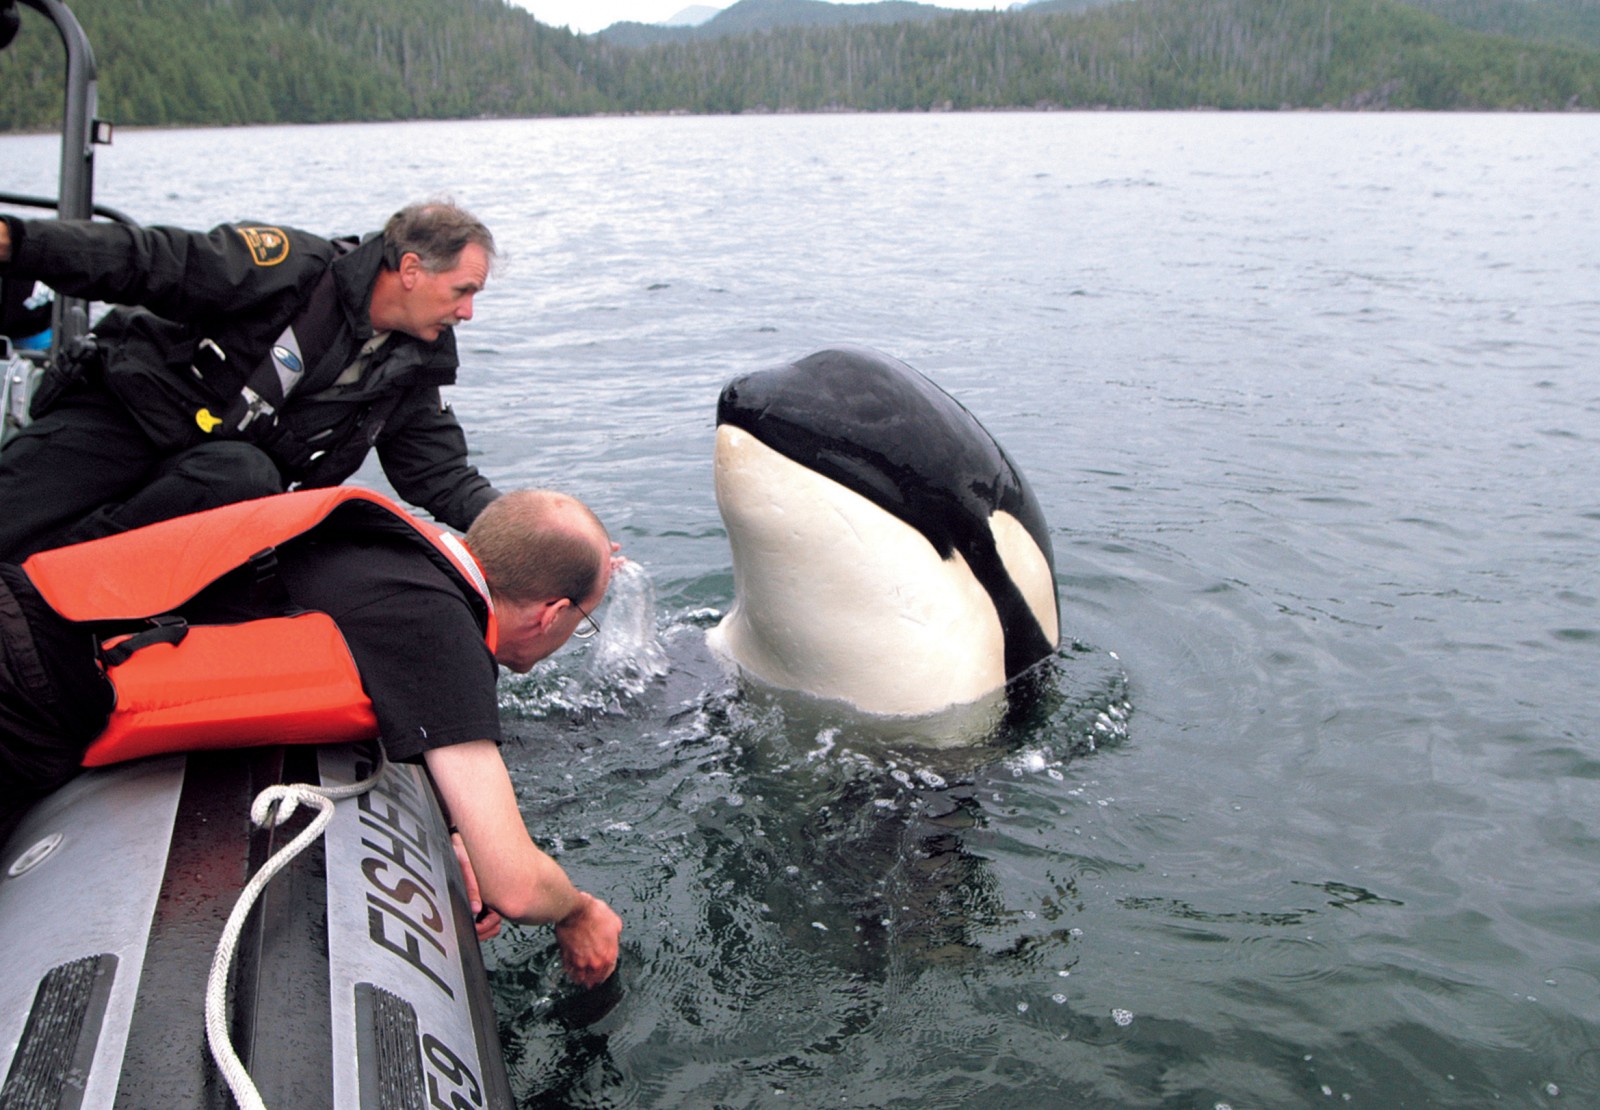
(268, 245)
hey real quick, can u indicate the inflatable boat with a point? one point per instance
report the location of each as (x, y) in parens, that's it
(276, 927)
(356, 980)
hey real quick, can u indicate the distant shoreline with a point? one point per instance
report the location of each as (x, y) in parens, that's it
(674, 114)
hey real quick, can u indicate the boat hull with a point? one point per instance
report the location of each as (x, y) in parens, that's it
(357, 983)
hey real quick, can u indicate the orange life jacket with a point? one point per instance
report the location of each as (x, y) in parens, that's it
(275, 680)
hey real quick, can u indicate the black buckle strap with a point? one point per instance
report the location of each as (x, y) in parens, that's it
(268, 594)
(166, 629)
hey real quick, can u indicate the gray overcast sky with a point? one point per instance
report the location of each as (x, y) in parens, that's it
(593, 15)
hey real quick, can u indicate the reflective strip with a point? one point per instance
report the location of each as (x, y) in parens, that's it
(466, 563)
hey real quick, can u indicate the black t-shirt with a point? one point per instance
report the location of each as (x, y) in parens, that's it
(421, 654)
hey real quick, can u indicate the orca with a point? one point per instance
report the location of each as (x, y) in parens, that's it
(887, 552)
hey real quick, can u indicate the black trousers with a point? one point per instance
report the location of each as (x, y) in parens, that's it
(85, 469)
(53, 698)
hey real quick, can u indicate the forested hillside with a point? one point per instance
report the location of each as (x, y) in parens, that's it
(166, 62)
(1259, 54)
(1562, 22)
(267, 61)
(751, 16)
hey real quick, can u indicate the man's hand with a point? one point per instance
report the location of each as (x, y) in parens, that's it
(484, 917)
(588, 937)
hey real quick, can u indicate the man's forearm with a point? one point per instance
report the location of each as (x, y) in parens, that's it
(544, 894)
(514, 876)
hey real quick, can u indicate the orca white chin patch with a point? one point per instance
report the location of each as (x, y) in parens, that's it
(840, 599)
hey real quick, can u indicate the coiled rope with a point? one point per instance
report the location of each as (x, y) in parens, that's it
(272, 807)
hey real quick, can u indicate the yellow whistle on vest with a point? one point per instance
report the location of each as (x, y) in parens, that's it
(206, 421)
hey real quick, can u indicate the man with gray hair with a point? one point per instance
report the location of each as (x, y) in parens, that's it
(242, 362)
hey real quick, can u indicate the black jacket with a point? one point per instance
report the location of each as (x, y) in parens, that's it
(238, 287)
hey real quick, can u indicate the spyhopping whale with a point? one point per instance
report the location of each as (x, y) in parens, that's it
(887, 552)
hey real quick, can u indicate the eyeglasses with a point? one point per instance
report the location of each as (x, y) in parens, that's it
(586, 629)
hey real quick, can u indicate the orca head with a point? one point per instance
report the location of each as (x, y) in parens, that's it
(886, 550)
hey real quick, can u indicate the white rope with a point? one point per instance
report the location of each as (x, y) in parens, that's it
(272, 807)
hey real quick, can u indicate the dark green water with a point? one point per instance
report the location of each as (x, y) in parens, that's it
(1306, 812)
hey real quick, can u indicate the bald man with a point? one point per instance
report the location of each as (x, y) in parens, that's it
(423, 626)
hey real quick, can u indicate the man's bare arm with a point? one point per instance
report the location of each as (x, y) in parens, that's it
(514, 877)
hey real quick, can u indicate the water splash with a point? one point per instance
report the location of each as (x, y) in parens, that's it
(628, 654)
(614, 670)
